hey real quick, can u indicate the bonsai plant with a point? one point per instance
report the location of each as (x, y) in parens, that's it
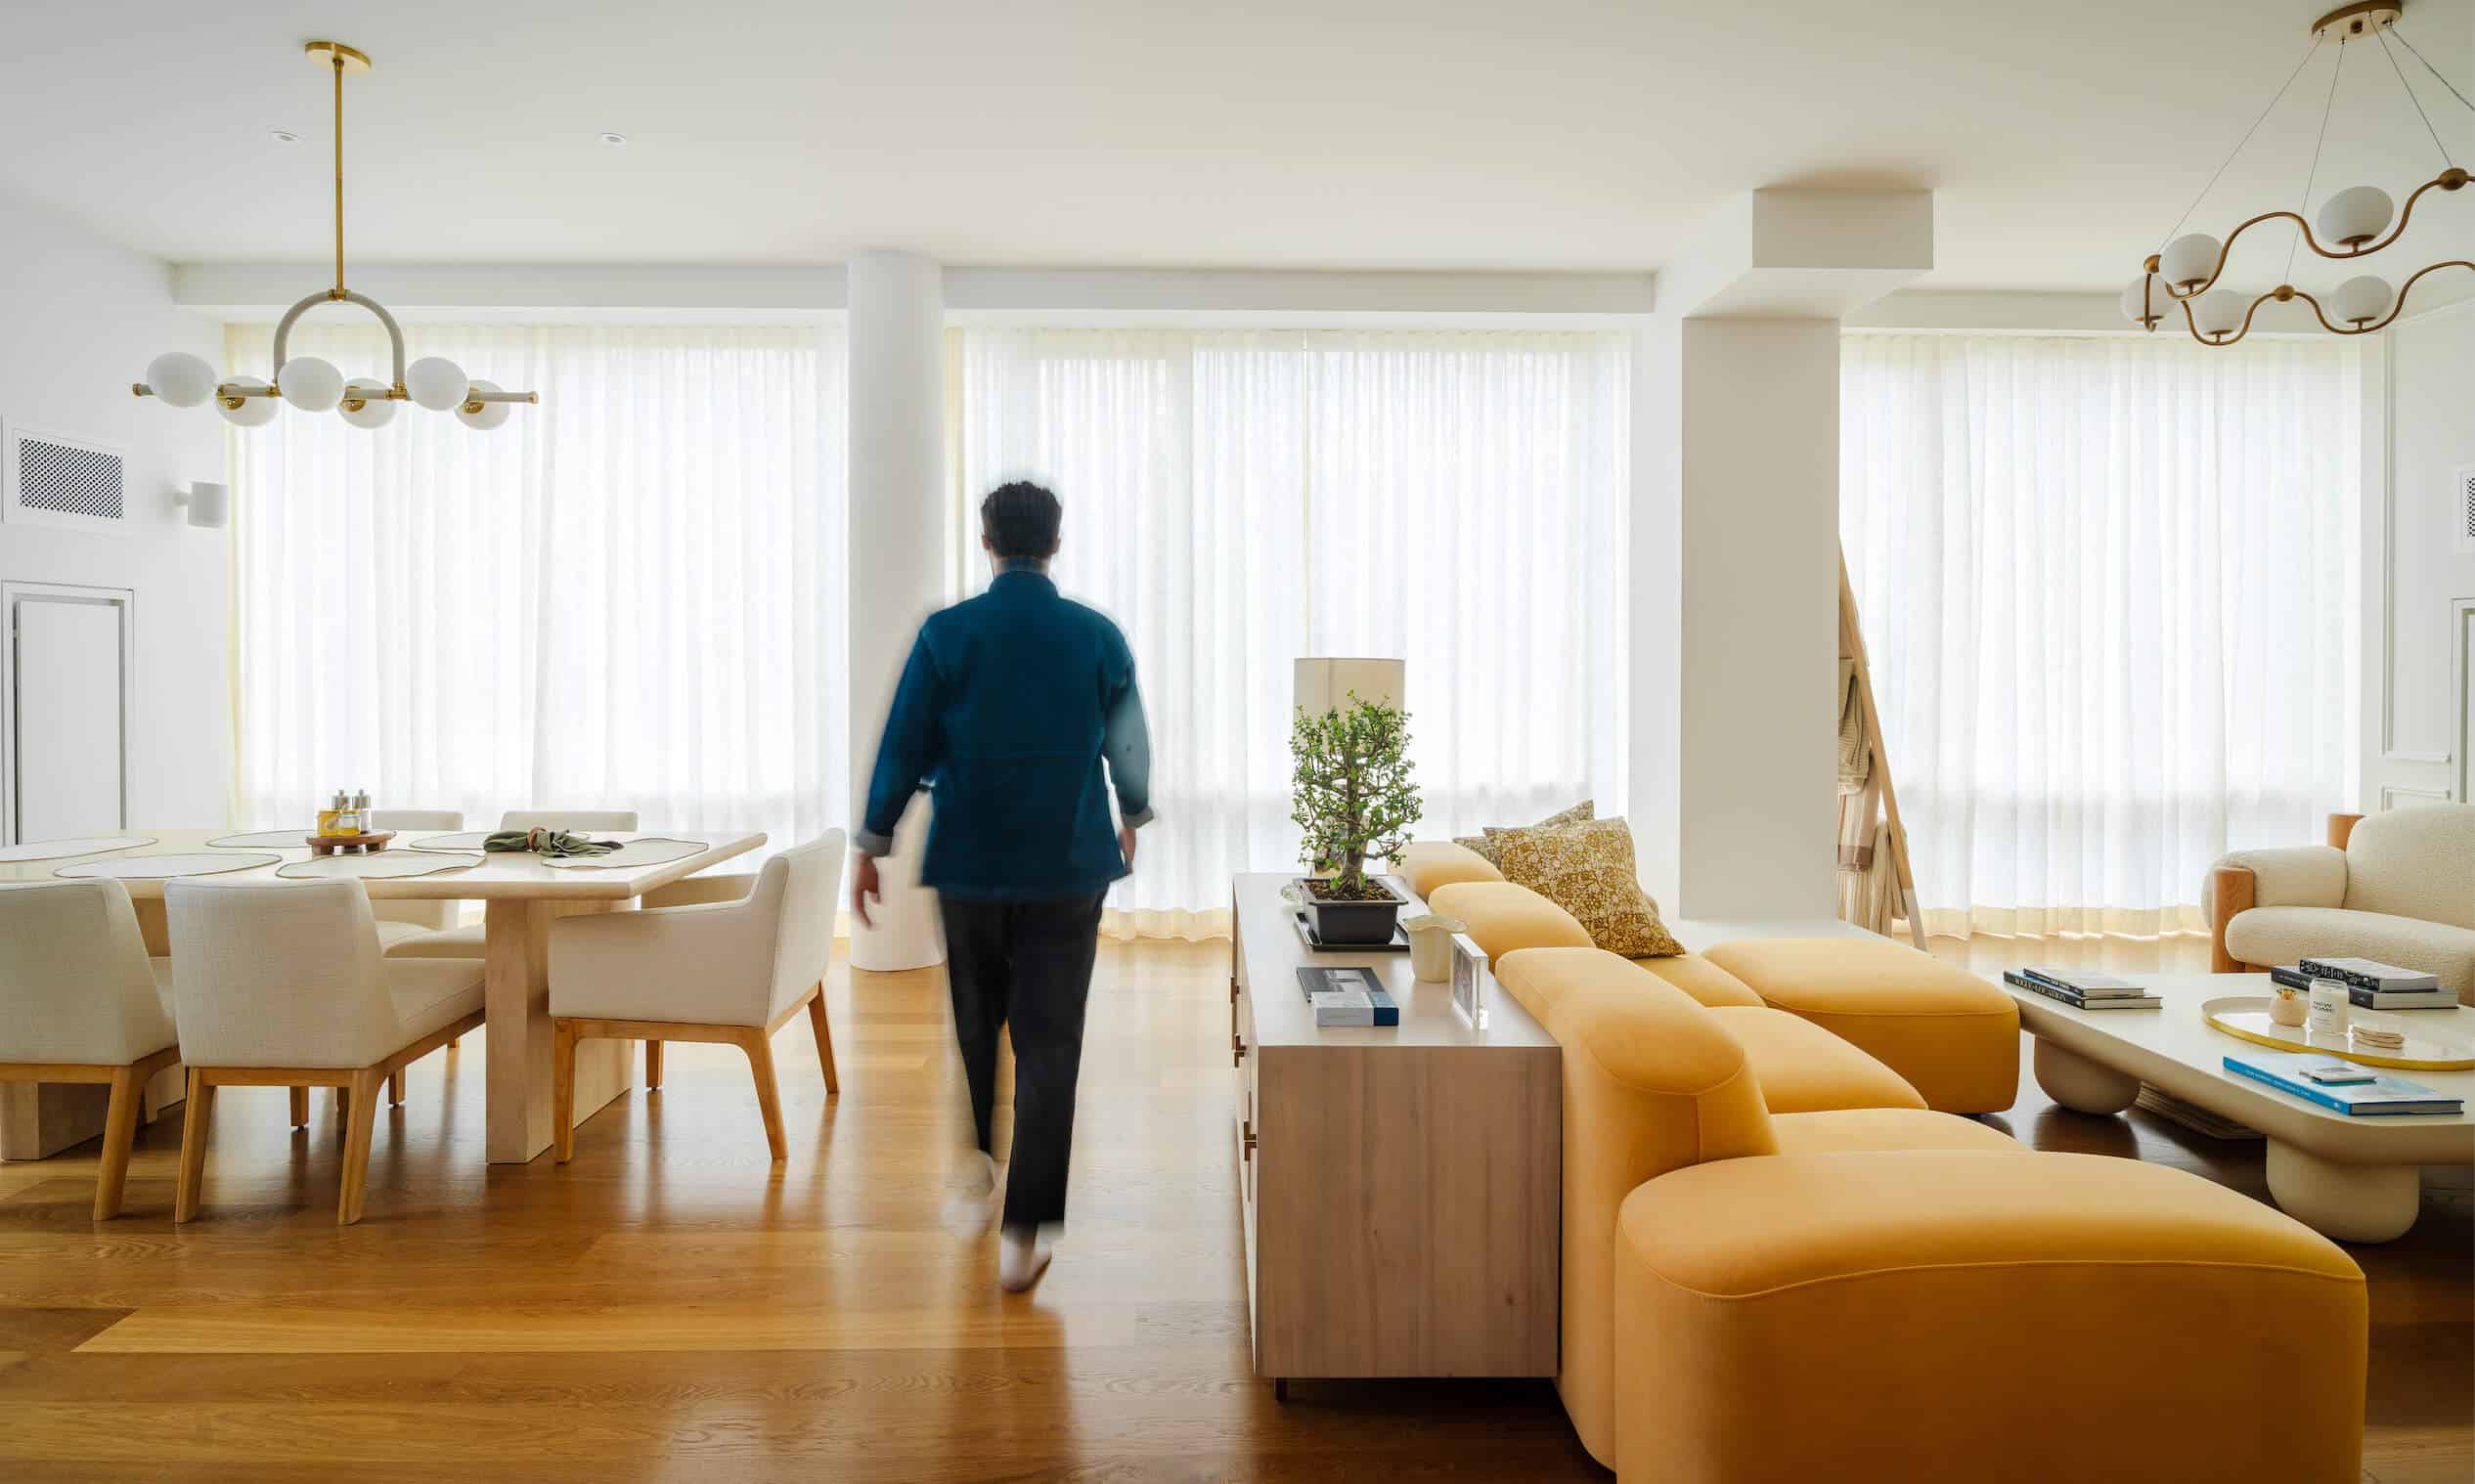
(1354, 798)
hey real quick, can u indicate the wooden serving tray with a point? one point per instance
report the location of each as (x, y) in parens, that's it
(367, 842)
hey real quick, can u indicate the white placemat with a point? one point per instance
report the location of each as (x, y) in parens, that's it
(164, 867)
(62, 849)
(462, 840)
(383, 864)
(649, 849)
(263, 840)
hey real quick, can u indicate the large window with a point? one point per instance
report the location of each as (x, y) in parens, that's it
(2106, 588)
(628, 597)
(1239, 499)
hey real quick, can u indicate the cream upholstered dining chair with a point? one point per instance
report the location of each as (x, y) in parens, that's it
(281, 984)
(453, 940)
(399, 918)
(81, 1002)
(725, 971)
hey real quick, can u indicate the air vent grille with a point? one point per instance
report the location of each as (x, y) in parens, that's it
(67, 480)
(63, 480)
(2463, 504)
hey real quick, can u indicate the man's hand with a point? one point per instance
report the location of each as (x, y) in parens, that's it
(1126, 842)
(865, 889)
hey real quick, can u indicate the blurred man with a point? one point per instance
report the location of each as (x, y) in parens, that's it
(1009, 707)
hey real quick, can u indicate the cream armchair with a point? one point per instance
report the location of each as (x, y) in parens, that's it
(727, 972)
(81, 1002)
(281, 984)
(2397, 887)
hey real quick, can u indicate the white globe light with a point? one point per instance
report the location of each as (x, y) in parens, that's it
(2360, 301)
(436, 383)
(2190, 260)
(2355, 216)
(180, 378)
(492, 413)
(2146, 299)
(2219, 312)
(254, 411)
(310, 384)
(375, 410)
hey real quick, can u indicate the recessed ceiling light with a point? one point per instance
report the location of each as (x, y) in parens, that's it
(284, 136)
(611, 137)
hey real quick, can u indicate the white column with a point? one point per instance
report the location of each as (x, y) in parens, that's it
(1736, 597)
(897, 556)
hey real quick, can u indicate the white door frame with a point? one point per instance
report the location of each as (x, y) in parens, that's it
(2462, 692)
(11, 593)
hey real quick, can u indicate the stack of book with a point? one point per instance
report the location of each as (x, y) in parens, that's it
(2356, 1091)
(2082, 989)
(1347, 996)
(2370, 984)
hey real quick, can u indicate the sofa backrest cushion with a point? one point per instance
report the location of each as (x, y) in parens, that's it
(1503, 918)
(1652, 1082)
(2414, 862)
(1427, 864)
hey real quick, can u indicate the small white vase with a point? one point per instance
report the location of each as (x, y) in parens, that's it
(1430, 946)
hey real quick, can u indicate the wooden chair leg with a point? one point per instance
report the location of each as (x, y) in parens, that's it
(395, 1088)
(359, 1121)
(196, 1113)
(454, 1041)
(119, 1136)
(652, 1066)
(769, 1096)
(300, 1106)
(825, 1039)
(562, 1091)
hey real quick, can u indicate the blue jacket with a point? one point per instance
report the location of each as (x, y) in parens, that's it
(1007, 706)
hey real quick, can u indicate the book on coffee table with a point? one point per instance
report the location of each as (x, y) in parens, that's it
(2102, 999)
(2380, 1094)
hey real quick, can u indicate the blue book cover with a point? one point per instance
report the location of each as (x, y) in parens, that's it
(2384, 1094)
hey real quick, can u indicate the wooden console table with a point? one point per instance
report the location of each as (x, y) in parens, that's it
(1400, 1185)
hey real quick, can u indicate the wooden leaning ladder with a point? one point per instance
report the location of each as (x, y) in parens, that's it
(1876, 880)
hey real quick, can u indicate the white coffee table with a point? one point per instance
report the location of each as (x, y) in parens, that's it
(2354, 1179)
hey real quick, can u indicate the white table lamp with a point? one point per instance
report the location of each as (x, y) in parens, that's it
(1324, 684)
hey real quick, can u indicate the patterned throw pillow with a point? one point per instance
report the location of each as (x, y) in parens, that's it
(1484, 845)
(1587, 869)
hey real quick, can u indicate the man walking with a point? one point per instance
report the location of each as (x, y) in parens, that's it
(1007, 707)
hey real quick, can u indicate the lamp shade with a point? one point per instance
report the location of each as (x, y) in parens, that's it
(2356, 215)
(2187, 261)
(209, 503)
(1323, 684)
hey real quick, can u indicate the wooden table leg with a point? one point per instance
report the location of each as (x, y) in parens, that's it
(516, 971)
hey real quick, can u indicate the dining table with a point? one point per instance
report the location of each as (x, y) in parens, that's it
(521, 896)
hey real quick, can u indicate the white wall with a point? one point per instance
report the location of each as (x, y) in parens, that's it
(2413, 572)
(80, 318)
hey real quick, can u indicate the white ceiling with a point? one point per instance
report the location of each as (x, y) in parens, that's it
(2061, 138)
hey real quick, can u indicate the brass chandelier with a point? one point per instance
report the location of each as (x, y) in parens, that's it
(2182, 277)
(311, 384)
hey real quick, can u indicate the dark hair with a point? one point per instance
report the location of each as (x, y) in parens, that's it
(1021, 521)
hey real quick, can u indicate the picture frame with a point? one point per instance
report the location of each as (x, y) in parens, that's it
(1470, 981)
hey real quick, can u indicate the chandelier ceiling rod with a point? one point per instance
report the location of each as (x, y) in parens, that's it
(181, 379)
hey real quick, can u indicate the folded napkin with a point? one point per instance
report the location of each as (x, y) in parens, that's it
(545, 841)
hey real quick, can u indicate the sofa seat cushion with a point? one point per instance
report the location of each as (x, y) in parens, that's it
(2272, 936)
(1953, 1035)
(1427, 864)
(1865, 1130)
(1804, 1069)
(1504, 919)
(1845, 1315)
(464, 942)
(1701, 979)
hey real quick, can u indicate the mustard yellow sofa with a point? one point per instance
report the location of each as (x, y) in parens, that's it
(1952, 1035)
(1778, 1263)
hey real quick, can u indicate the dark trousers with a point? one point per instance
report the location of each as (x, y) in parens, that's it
(1025, 966)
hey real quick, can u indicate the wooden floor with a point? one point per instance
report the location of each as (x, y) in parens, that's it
(669, 1306)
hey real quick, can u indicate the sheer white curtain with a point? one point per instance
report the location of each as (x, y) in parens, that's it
(627, 596)
(1239, 499)
(2105, 588)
